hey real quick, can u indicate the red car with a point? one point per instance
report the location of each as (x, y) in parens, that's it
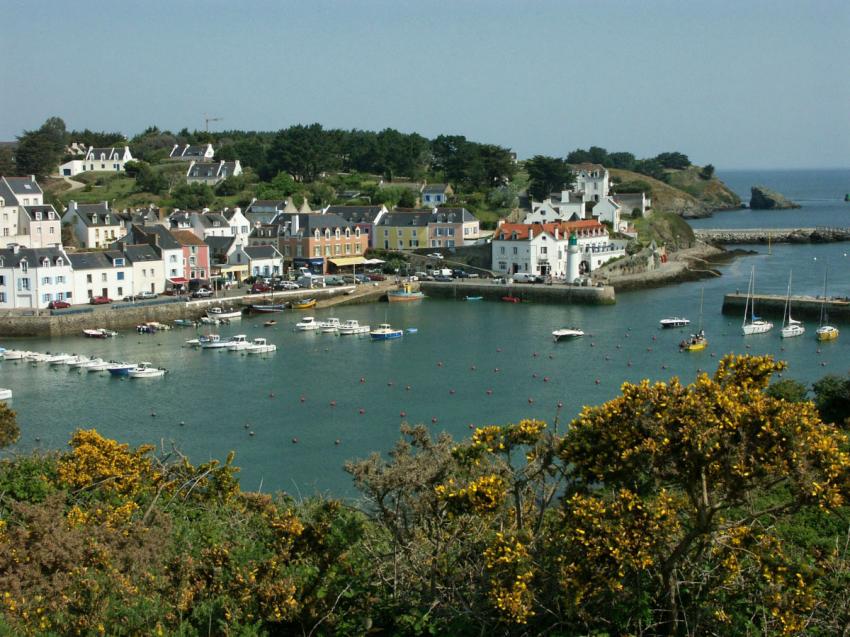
(58, 305)
(377, 276)
(259, 288)
(100, 300)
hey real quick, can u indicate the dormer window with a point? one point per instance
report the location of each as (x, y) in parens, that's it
(59, 262)
(106, 219)
(94, 218)
(38, 216)
(45, 263)
(357, 232)
(24, 265)
(348, 233)
(317, 235)
(327, 233)
(336, 233)
(118, 263)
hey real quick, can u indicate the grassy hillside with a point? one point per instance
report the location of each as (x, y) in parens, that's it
(711, 192)
(667, 229)
(686, 195)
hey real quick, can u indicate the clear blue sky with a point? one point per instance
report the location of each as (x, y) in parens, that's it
(734, 83)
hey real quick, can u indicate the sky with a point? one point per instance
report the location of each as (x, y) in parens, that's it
(739, 84)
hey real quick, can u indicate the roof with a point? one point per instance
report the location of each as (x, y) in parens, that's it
(43, 208)
(23, 185)
(206, 169)
(213, 220)
(166, 238)
(108, 152)
(262, 252)
(267, 203)
(356, 214)
(435, 189)
(452, 215)
(7, 195)
(187, 238)
(589, 168)
(196, 150)
(219, 245)
(90, 260)
(140, 253)
(507, 230)
(406, 217)
(313, 221)
(87, 212)
(32, 255)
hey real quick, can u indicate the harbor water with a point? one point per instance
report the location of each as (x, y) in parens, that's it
(323, 399)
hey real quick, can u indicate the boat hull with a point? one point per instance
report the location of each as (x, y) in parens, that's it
(404, 297)
(792, 330)
(672, 323)
(756, 327)
(824, 334)
(386, 336)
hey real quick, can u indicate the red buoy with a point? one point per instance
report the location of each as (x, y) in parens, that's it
(362, 411)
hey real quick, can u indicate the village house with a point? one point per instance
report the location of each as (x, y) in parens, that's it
(240, 227)
(169, 249)
(450, 227)
(264, 260)
(561, 206)
(403, 229)
(434, 195)
(98, 160)
(199, 152)
(363, 217)
(591, 181)
(228, 260)
(210, 224)
(195, 256)
(95, 225)
(261, 211)
(24, 218)
(33, 277)
(212, 173)
(148, 268)
(317, 240)
(101, 274)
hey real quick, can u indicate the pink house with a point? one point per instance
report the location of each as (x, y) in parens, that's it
(196, 255)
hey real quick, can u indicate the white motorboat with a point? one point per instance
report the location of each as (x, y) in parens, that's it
(58, 359)
(15, 354)
(352, 326)
(567, 333)
(754, 324)
(91, 362)
(331, 326)
(97, 365)
(146, 370)
(77, 361)
(212, 341)
(790, 327)
(100, 332)
(385, 332)
(224, 314)
(120, 369)
(5, 394)
(674, 322)
(261, 346)
(307, 324)
(37, 357)
(238, 342)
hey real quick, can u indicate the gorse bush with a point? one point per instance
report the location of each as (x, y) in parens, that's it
(703, 509)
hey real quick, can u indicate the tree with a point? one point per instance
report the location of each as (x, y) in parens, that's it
(547, 174)
(832, 398)
(232, 185)
(98, 139)
(673, 160)
(192, 196)
(707, 172)
(651, 168)
(148, 179)
(407, 198)
(9, 430)
(625, 161)
(7, 162)
(302, 151)
(789, 389)
(39, 152)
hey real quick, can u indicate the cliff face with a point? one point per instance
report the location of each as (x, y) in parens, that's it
(762, 198)
(687, 195)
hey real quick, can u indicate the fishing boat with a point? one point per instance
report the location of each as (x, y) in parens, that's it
(753, 324)
(5, 394)
(100, 332)
(14, 354)
(120, 369)
(146, 370)
(97, 365)
(261, 346)
(825, 332)
(404, 293)
(237, 343)
(58, 359)
(224, 314)
(304, 304)
(352, 327)
(270, 323)
(184, 323)
(473, 298)
(790, 327)
(674, 322)
(269, 307)
(385, 332)
(307, 324)
(567, 333)
(696, 342)
(511, 299)
(331, 326)
(212, 341)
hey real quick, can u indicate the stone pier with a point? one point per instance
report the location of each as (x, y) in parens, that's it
(538, 293)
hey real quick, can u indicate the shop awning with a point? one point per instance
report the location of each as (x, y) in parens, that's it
(179, 280)
(343, 261)
(232, 268)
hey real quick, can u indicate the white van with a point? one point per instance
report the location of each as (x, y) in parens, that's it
(523, 277)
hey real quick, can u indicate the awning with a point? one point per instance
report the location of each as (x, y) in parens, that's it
(232, 268)
(373, 261)
(179, 280)
(343, 261)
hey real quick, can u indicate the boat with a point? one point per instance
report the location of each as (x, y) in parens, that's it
(145, 328)
(212, 341)
(825, 332)
(58, 359)
(238, 342)
(222, 314)
(100, 332)
(146, 370)
(755, 324)
(385, 332)
(270, 323)
(307, 324)
(330, 326)
(89, 362)
(36, 357)
(353, 327)
(269, 307)
(261, 346)
(790, 327)
(473, 298)
(412, 330)
(696, 342)
(77, 361)
(567, 333)
(673, 322)
(184, 323)
(405, 292)
(511, 299)
(14, 354)
(304, 304)
(120, 369)
(5, 394)
(97, 365)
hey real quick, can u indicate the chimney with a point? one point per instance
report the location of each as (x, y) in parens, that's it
(295, 226)
(530, 234)
(15, 248)
(32, 177)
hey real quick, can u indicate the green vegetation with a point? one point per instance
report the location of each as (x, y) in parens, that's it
(701, 509)
(667, 229)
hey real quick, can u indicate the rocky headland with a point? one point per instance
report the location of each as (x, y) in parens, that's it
(762, 198)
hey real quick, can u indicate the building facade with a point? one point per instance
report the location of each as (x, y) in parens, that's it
(31, 278)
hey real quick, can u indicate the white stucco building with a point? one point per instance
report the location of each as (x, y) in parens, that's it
(24, 218)
(591, 180)
(558, 207)
(101, 274)
(189, 152)
(265, 260)
(98, 160)
(212, 173)
(33, 277)
(95, 225)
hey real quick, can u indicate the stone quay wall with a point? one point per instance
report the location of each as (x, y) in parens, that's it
(773, 306)
(538, 293)
(773, 235)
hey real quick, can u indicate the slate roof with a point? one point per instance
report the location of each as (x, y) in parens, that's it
(219, 245)
(207, 169)
(167, 241)
(406, 218)
(30, 210)
(90, 261)
(140, 253)
(213, 220)
(187, 238)
(276, 204)
(452, 215)
(356, 214)
(310, 222)
(23, 186)
(197, 150)
(33, 256)
(262, 252)
(7, 195)
(109, 153)
(435, 189)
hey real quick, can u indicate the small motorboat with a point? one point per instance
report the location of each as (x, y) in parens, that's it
(14, 354)
(120, 369)
(184, 323)
(100, 332)
(37, 357)
(412, 330)
(146, 370)
(304, 304)
(307, 324)
(5, 394)
(674, 322)
(77, 361)
(511, 299)
(269, 307)
(696, 343)
(567, 333)
(826, 333)
(237, 343)
(473, 298)
(97, 365)
(145, 328)
(405, 292)
(212, 341)
(270, 323)
(221, 314)
(58, 359)
(261, 346)
(385, 332)
(352, 327)
(331, 326)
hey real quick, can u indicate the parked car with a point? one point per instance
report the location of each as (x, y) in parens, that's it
(146, 295)
(58, 305)
(435, 255)
(361, 278)
(201, 293)
(260, 287)
(377, 276)
(100, 300)
(286, 285)
(443, 278)
(460, 274)
(332, 279)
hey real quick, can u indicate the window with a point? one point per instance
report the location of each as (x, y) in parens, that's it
(88, 278)
(336, 233)
(2, 280)
(347, 248)
(118, 262)
(173, 258)
(67, 295)
(337, 249)
(317, 252)
(2, 297)
(450, 232)
(327, 233)
(24, 284)
(103, 277)
(45, 280)
(120, 291)
(24, 265)
(357, 248)
(515, 251)
(52, 230)
(191, 260)
(348, 233)
(120, 276)
(502, 250)
(38, 216)
(5, 232)
(327, 251)
(45, 298)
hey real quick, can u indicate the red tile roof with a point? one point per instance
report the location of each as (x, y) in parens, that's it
(564, 228)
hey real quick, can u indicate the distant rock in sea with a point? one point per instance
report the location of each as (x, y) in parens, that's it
(762, 198)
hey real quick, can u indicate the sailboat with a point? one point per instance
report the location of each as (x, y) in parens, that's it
(825, 332)
(698, 341)
(790, 327)
(755, 324)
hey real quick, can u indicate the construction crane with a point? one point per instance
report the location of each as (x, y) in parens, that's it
(208, 119)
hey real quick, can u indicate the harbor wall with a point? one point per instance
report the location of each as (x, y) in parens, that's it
(774, 235)
(538, 293)
(773, 306)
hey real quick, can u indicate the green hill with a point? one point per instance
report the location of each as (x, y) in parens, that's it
(687, 194)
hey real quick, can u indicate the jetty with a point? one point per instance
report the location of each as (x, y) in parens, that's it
(820, 234)
(802, 306)
(533, 292)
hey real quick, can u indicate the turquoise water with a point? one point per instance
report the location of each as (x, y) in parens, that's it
(469, 364)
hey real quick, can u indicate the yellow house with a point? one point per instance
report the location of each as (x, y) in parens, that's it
(403, 230)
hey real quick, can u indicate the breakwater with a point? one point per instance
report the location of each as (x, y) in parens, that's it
(538, 293)
(773, 305)
(772, 235)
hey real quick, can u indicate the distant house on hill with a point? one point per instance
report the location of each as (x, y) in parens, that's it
(434, 195)
(212, 173)
(189, 152)
(95, 225)
(98, 160)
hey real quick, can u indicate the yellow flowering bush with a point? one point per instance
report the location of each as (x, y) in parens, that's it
(482, 495)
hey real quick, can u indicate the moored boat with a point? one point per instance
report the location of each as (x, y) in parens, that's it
(473, 298)
(270, 323)
(120, 369)
(330, 326)
(405, 293)
(791, 327)
(222, 314)
(567, 333)
(674, 322)
(269, 307)
(184, 323)
(307, 324)
(825, 332)
(352, 327)
(304, 304)
(238, 342)
(211, 341)
(58, 359)
(385, 332)
(100, 332)
(511, 299)
(261, 346)
(14, 354)
(755, 324)
(97, 365)
(5, 394)
(146, 370)
(695, 343)
(77, 361)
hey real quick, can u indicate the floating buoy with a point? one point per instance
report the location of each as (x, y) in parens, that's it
(551, 356)
(498, 349)
(496, 369)
(534, 354)
(530, 401)
(295, 441)
(333, 403)
(182, 423)
(336, 442)
(471, 426)
(38, 438)
(592, 344)
(250, 433)
(153, 414)
(271, 394)
(489, 392)
(247, 425)
(362, 380)
(303, 399)
(473, 368)
(607, 357)
(653, 338)
(664, 367)
(823, 364)
(452, 392)
(545, 379)
(534, 375)
(648, 349)
(433, 419)
(402, 414)
(439, 363)
(362, 411)
(597, 381)
(629, 364)
(389, 383)
(712, 354)
(618, 346)
(560, 404)
(407, 387)
(818, 350)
